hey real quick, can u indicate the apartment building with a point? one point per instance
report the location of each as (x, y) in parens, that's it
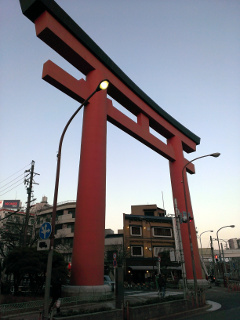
(64, 227)
(148, 233)
(234, 243)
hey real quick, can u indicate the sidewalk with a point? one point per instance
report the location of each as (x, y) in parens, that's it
(135, 297)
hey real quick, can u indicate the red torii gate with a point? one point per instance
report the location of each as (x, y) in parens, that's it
(61, 33)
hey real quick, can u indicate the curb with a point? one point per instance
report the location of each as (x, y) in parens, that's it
(182, 315)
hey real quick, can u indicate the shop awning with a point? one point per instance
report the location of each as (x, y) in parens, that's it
(149, 268)
(143, 267)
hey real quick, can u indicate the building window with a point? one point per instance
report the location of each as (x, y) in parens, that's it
(58, 227)
(68, 242)
(149, 213)
(59, 213)
(72, 212)
(137, 251)
(157, 250)
(136, 231)
(162, 232)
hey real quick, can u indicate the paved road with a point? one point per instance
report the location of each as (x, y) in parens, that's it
(225, 305)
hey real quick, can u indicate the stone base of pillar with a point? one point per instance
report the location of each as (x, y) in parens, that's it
(88, 293)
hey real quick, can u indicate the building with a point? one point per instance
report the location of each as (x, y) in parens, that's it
(64, 227)
(12, 230)
(234, 243)
(148, 239)
(147, 233)
(38, 207)
(113, 253)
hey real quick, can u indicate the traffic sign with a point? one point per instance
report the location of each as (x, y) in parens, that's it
(114, 256)
(45, 230)
(43, 245)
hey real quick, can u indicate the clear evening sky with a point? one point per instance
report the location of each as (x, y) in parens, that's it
(183, 54)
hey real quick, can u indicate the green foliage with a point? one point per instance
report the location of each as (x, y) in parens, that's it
(12, 233)
(59, 268)
(28, 264)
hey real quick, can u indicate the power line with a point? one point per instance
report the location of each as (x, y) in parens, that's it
(11, 189)
(10, 214)
(21, 175)
(12, 185)
(14, 173)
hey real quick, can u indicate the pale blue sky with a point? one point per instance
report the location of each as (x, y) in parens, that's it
(183, 54)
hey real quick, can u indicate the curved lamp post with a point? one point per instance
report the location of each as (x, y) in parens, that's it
(215, 155)
(231, 226)
(224, 263)
(103, 85)
(201, 240)
(226, 243)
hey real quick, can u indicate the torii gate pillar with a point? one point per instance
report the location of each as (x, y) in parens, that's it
(89, 230)
(178, 193)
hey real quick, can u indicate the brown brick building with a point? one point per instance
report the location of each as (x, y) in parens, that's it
(148, 235)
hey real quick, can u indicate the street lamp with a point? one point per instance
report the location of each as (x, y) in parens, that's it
(231, 226)
(103, 85)
(226, 243)
(215, 155)
(201, 241)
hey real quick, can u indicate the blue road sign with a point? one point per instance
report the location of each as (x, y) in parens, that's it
(45, 230)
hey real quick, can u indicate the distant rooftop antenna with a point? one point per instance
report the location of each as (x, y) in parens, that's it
(163, 201)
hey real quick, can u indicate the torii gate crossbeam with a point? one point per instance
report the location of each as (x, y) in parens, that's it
(61, 33)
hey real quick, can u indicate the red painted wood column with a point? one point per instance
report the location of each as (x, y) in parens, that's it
(178, 193)
(89, 230)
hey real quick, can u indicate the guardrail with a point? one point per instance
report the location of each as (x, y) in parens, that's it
(12, 307)
(38, 304)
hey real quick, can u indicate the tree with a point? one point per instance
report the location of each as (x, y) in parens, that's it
(12, 231)
(28, 265)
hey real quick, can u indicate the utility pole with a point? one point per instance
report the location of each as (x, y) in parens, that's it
(224, 262)
(178, 221)
(29, 183)
(213, 261)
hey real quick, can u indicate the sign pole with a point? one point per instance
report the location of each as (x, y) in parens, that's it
(159, 264)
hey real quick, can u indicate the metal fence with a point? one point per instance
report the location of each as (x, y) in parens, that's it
(20, 306)
(38, 304)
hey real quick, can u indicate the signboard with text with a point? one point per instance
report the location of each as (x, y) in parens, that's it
(11, 204)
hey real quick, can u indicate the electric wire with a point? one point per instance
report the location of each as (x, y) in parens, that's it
(10, 214)
(12, 184)
(15, 173)
(11, 189)
(7, 186)
(21, 175)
